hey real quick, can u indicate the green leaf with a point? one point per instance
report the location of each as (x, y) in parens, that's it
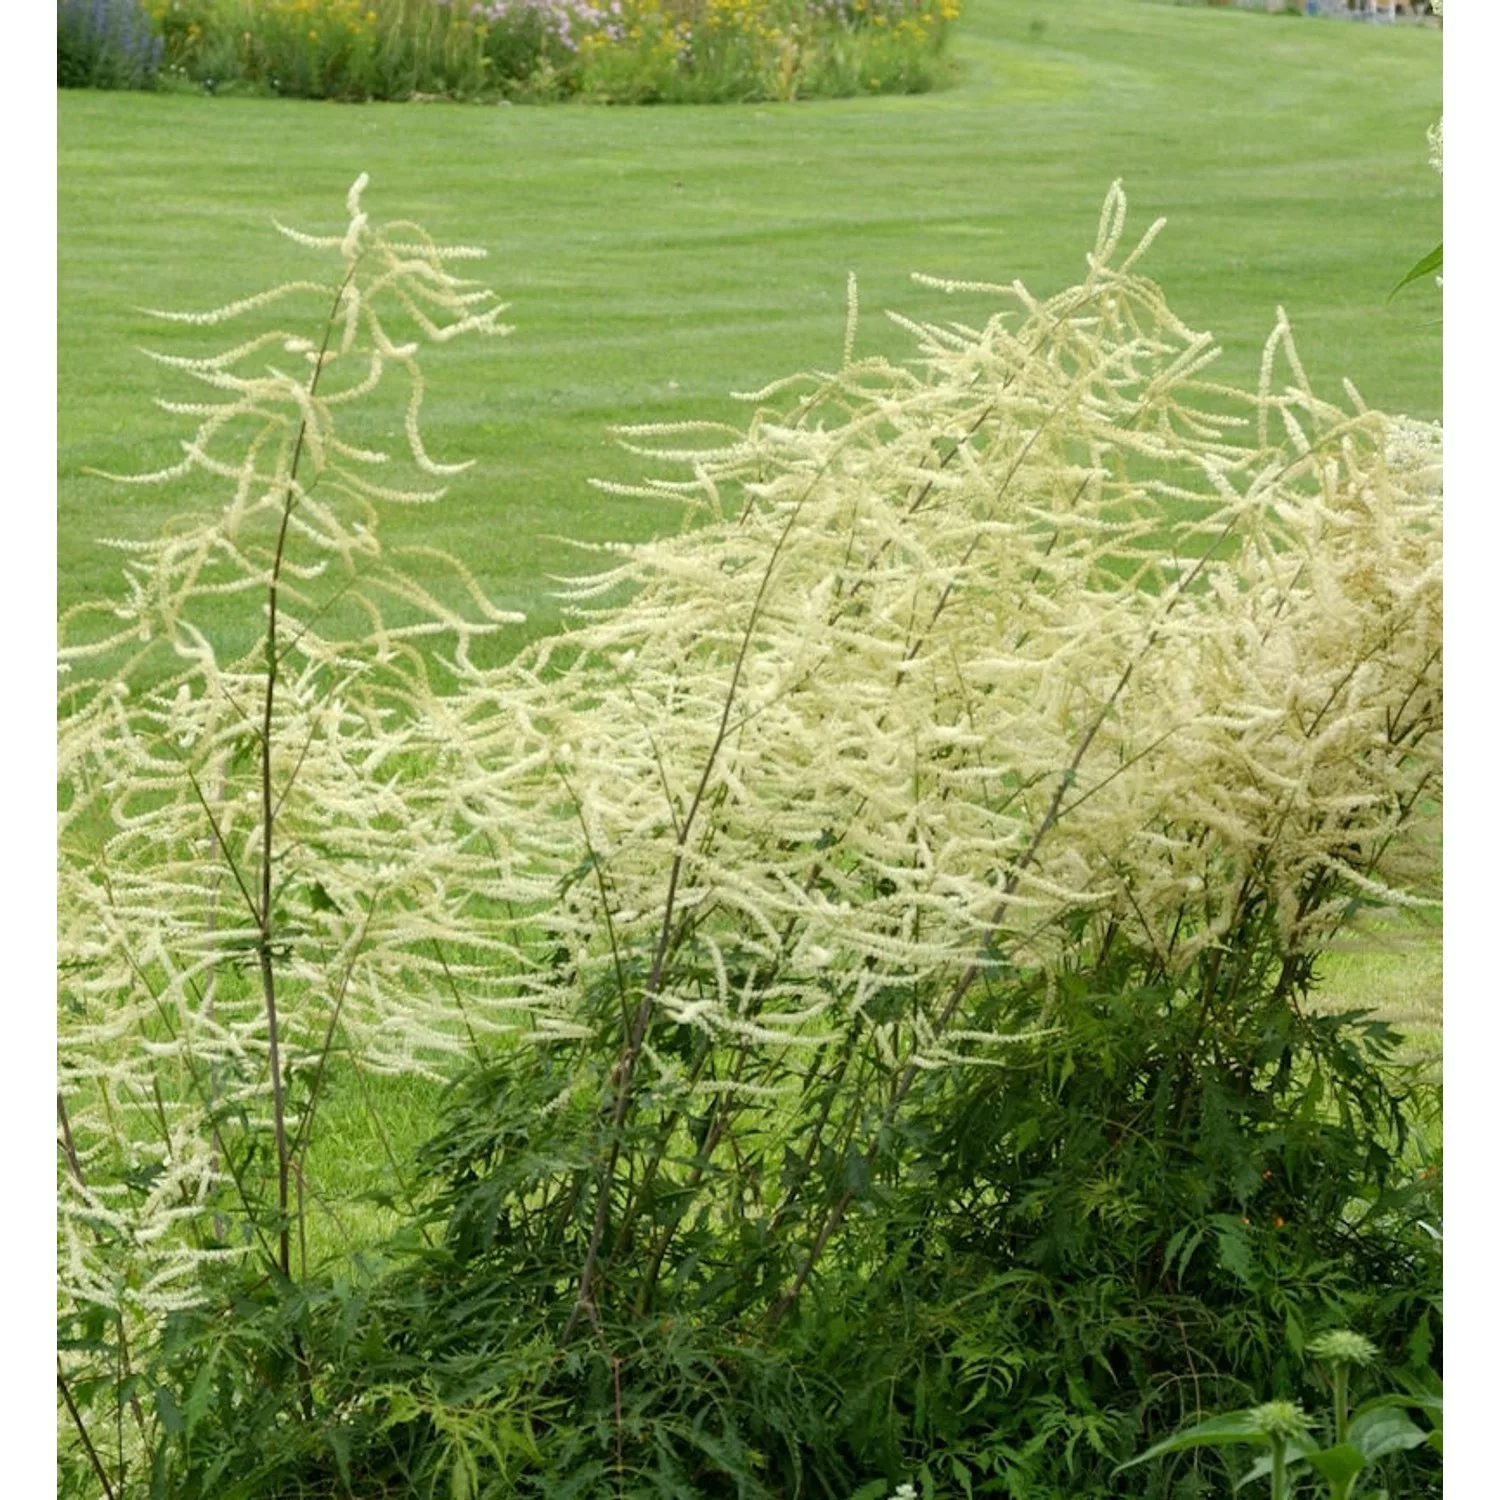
(960, 1471)
(1174, 1245)
(1297, 1449)
(338, 1441)
(1338, 1465)
(1234, 1249)
(857, 1175)
(1235, 1427)
(1428, 1401)
(1429, 265)
(460, 1485)
(1181, 1248)
(1384, 1430)
(1295, 1339)
(319, 899)
(1419, 1345)
(168, 1410)
(201, 1393)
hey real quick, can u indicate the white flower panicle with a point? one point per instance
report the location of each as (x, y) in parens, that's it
(966, 669)
(376, 875)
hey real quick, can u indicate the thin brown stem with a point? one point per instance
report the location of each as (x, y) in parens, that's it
(218, 835)
(83, 1433)
(69, 1151)
(269, 808)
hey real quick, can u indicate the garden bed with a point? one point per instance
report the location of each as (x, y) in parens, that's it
(616, 51)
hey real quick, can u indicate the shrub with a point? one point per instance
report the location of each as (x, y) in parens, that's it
(324, 50)
(876, 933)
(106, 44)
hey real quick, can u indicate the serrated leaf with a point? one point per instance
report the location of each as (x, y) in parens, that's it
(1234, 1252)
(1296, 1338)
(201, 1393)
(319, 899)
(1419, 1345)
(338, 1441)
(1174, 1245)
(857, 1174)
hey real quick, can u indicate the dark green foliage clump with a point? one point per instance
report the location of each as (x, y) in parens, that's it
(1047, 1268)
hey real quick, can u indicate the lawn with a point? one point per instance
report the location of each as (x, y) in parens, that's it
(658, 259)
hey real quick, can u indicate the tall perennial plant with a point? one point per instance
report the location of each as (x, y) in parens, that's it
(968, 673)
(1037, 700)
(250, 874)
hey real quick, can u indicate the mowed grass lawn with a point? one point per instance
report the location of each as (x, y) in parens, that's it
(657, 259)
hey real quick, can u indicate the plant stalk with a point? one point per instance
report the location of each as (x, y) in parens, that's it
(268, 812)
(83, 1433)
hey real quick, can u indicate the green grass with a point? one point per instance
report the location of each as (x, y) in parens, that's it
(657, 259)
(1395, 969)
